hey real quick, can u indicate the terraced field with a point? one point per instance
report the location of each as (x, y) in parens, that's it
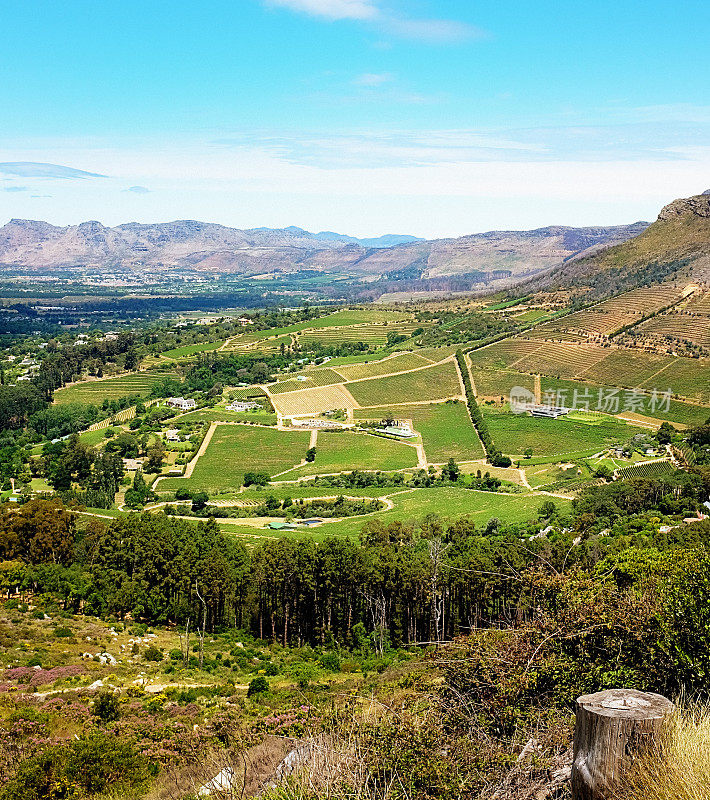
(95, 392)
(502, 355)
(679, 325)
(608, 317)
(431, 383)
(236, 449)
(372, 369)
(445, 428)
(336, 452)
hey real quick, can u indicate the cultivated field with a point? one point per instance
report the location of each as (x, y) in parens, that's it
(336, 452)
(313, 401)
(432, 383)
(313, 378)
(565, 437)
(375, 334)
(445, 428)
(372, 369)
(236, 449)
(95, 392)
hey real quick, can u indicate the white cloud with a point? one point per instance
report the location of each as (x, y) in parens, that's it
(435, 31)
(373, 79)
(332, 9)
(33, 169)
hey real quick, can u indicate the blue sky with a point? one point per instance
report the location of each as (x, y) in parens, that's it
(432, 117)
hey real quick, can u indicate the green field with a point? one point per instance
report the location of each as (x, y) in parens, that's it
(579, 434)
(569, 391)
(449, 503)
(314, 378)
(445, 428)
(220, 414)
(337, 452)
(236, 449)
(498, 383)
(389, 365)
(432, 383)
(191, 349)
(96, 392)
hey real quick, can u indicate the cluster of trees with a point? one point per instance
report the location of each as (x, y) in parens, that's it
(70, 463)
(404, 582)
(496, 458)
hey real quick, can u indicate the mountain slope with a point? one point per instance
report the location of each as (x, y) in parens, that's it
(199, 247)
(676, 247)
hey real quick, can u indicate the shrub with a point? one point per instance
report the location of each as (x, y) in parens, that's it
(258, 686)
(106, 706)
(152, 653)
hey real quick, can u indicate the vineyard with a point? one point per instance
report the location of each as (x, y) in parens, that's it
(373, 334)
(313, 378)
(650, 469)
(313, 401)
(399, 363)
(679, 325)
(431, 383)
(95, 392)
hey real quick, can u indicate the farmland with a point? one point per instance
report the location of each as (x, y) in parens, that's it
(566, 437)
(398, 363)
(445, 428)
(313, 401)
(431, 383)
(236, 449)
(340, 451)
(312, 378)
(95, 392)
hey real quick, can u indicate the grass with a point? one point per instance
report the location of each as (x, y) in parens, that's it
(237, 449)
(445, 428)
(449, 503)
(676, 767)
(338, 452)
(431, 383)
(191, 349)
(95, 392)
(220, 414)
(515, 433)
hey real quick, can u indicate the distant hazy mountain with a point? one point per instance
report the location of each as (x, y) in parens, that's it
(188, 247)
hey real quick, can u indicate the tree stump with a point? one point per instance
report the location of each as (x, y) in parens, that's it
(610, 726)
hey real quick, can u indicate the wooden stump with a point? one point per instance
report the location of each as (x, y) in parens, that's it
(610, 726)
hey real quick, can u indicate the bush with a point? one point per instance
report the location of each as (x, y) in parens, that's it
(62, 632)
(152, 653)
(106, 706)
(258, 686)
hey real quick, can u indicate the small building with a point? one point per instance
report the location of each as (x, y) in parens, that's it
(172, 435)
(132, 464)
(182, 403)
(244, 321)
(548, 412)
(302, 378)
(401, 431)
(243, 405)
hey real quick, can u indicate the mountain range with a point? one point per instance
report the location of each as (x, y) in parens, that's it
(188, 247)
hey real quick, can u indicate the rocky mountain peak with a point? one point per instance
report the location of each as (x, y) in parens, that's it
(699, 205)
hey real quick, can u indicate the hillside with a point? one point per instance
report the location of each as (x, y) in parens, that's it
(185, 247)
(675, 247)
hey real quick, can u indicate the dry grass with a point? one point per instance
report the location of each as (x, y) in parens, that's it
(678, 767)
